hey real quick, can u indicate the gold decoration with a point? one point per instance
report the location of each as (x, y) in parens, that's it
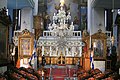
(64, 6)
(25, 44)
(100, 39)
(62, 2)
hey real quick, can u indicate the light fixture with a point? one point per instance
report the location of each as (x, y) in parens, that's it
(62, 28)
(61, 2)
(13, 51)
(94, 44)
(119, 11)
(112, 40)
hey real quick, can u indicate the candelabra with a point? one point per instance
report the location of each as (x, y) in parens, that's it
(61, 25)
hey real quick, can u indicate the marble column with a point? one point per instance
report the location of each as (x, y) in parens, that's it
(89, 15)
(35, 7)
(27, 19)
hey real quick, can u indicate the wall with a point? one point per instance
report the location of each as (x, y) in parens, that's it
(98, 21)
(27, 19)
(96, 18)
(3, 3)
(100, 65)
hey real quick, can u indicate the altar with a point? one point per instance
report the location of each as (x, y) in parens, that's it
(61, 39)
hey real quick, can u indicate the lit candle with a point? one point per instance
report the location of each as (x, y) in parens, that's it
(94, 44)
(62, 2)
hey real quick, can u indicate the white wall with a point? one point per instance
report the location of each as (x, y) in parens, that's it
(96, 18)
(98, 21)
(100, 65)
(27, 19)
(3, 3)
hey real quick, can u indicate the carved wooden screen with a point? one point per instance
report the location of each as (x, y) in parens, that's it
(4, 28)
(3, 43)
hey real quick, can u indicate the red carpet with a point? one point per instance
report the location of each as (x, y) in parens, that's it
(58, 78)
(61, 73)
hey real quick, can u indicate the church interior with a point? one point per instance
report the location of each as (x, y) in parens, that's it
(59, 39)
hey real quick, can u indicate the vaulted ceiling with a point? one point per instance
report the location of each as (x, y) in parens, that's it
(107, 4)
(18, 4)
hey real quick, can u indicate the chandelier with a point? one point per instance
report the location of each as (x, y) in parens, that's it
(61, 26)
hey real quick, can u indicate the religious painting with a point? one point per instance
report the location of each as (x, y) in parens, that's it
(25, 44)
(98, 48)
(99, 45)
(25, 60)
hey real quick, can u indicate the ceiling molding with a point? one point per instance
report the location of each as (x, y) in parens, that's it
(107, 4)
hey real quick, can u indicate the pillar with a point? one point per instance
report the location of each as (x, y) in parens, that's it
(98, 20)
(35, 7)
(27, 19)
(89, 15)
